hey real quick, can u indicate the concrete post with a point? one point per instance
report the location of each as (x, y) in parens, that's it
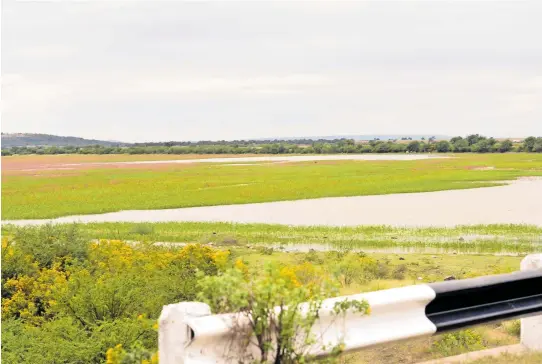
(173, 334)
(531, 327)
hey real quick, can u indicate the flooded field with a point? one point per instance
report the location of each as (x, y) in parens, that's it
(515, 203)
(13, 165)
(282, 158)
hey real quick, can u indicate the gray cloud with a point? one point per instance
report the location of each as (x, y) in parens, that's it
(222, 70)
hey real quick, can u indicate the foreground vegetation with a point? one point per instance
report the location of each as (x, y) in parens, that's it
(473, 143)
(60, 192)
(67, 298)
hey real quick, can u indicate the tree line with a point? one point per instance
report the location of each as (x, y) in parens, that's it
(473, 143)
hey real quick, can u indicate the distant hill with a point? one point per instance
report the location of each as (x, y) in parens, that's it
(29, 139)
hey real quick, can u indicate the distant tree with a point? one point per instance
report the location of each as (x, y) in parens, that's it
(528, 144)
(373, 143)
(383, 147)
(398, 148)
(443, 146)
(460, 145)
(455, 139)
(413, 146)
(365, 148)
(505, 146)
(474, 138)
(482, 146)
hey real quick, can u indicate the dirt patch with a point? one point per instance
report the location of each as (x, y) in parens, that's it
(483, 168)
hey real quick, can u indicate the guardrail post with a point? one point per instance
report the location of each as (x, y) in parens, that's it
(173, 333)
(531, 327)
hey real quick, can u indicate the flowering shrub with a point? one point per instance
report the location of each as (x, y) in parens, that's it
(104, 293)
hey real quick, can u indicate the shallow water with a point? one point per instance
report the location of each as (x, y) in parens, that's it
(305, 248)
(519, 202)
(321, 247)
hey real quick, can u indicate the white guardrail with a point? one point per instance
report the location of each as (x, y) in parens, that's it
(190, 333)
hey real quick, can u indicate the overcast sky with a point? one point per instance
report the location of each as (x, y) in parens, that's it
(153, 70)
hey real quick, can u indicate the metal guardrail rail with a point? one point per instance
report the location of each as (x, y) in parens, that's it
(468, 302)
(189, 333)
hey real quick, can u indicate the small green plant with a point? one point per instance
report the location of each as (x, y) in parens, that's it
(512, 327)
(142, 229)
(399, 272)
(229, 240)
(280, 311)
(382, 270)
(458, 342)
(353, 269)
(137, 354)
(266, 250)
(313, 257)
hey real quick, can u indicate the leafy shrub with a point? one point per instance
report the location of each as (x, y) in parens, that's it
(33, 298)
(64, 341)
(313, 257)
(458, 342)
(353, 269)
(335, 255)
(67, 299)
(513, 327)
(142, 229)
(266, 250)
(15, 263)
(137, 354)
(52, 243)
(399, 272)
(257, 295)
(382, 270)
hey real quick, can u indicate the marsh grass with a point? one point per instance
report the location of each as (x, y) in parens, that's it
(476, 239)
(55, 192)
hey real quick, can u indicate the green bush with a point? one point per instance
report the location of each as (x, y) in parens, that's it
(266, 250)
(66, 299)
(512, 327)
(64, 341)
(353, 269)
(399, 272)
(50, 243)
(283, 336)
(458, 342)
(313, 257)
(142, 229)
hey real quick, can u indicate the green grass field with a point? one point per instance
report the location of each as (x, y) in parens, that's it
(59, 192)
